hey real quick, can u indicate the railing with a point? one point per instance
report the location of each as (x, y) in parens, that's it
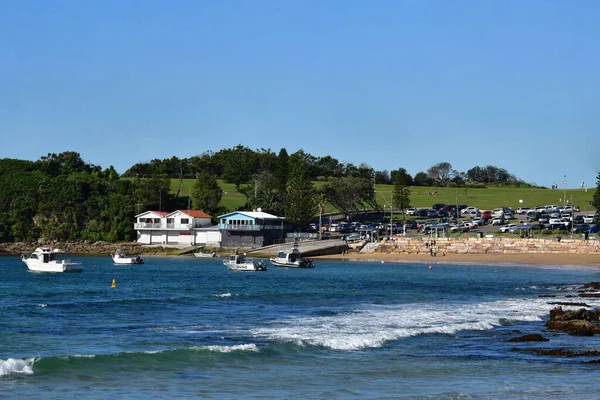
(142, 225)
(236, 227)
(146, 225)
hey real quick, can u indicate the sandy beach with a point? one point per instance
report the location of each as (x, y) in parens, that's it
(494, 258)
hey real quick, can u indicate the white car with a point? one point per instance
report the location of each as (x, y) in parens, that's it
(506, 228)
(589, 219)
(523, 210)
(469, 210)
(411, 211)
(498, 220)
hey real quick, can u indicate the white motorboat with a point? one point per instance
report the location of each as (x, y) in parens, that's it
(205, 255)
(44, 259)
(291, 259)
(239, 262)
(121, 257)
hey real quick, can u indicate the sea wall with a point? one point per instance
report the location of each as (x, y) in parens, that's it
(82, 247)
(487, 246)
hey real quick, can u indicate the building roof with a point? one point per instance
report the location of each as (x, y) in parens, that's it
(161, 213)
(195, 213)
(253, 214)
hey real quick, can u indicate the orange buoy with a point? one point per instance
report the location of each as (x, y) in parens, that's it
(430, 267)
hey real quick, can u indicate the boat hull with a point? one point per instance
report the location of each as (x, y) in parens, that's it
(53, 267)
(246, 265)
(295, 264)
(127, 260)
(205, 255)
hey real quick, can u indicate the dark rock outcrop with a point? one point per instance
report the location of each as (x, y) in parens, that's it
(568, 303)
(529, 338)
(560, 352)
(580, 322)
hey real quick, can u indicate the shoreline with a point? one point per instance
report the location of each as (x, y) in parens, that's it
(530, 259)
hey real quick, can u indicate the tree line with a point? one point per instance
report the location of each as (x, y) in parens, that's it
(61, 197)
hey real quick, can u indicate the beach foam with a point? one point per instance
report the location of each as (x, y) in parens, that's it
(16, 366)
(229, 349)
(373, 326)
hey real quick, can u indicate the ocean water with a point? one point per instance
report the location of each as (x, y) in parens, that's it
(189, 328)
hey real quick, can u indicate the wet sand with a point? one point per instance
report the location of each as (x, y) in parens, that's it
(494, 258)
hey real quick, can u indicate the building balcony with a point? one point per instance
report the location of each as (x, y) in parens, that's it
(180, 227)
(236, 227)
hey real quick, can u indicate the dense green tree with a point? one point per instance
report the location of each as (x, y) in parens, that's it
(207, 194)
(282, 170)
(350, 195)
(596, 200)
(422, 179)
(301, 197)
(401, 196)
(262, 193)
(441, 173)
(403, 176)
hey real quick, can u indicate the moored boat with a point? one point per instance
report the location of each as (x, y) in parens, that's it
(44, 259)
(239, 262)
(291, 259)
(121, 257)
(205, 255)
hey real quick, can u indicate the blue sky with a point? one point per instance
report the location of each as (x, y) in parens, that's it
(392, 84)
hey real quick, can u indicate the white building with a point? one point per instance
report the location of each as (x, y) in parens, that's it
(181, 227)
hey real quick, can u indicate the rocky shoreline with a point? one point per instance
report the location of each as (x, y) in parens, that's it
(582, 321)
(84, 247)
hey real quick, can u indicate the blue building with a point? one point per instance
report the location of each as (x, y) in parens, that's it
(251, 229)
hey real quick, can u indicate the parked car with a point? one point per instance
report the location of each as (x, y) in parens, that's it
(589, 219)
(432, 213)
(438, 206)
(411, 224)
(462, 227)
(468, 210)
(578, 219)
(556, 227)
(533, 215)
(353, 237)
(508, 227)
(538, 227)
(594, 229)
(487, 215)
(523, 210)
(498, 220)
(423, 212)
(443, 213)
(581, 228)
(411, 211)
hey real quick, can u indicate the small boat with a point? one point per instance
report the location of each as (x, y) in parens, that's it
(121, 257)
(291, 259)
(43, 259)
(205, 255)
(239, 262)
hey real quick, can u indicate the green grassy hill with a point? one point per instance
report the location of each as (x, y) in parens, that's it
(485, 199)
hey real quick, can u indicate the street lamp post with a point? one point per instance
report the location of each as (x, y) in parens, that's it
(565, 191)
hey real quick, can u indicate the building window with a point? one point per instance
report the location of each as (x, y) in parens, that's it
(185, 220)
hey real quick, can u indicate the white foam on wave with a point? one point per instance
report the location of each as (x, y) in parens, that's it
(229, 349)
(42, 305)
(16, 366)
(373, 326)
(224, 295)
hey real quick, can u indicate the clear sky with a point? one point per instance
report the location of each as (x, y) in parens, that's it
(514, 84)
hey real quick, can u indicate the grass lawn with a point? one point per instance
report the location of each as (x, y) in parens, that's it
(485, 199)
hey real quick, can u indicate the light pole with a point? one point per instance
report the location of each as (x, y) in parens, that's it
(565, 191)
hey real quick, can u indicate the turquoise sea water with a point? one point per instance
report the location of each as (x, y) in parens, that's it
(189, 328)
